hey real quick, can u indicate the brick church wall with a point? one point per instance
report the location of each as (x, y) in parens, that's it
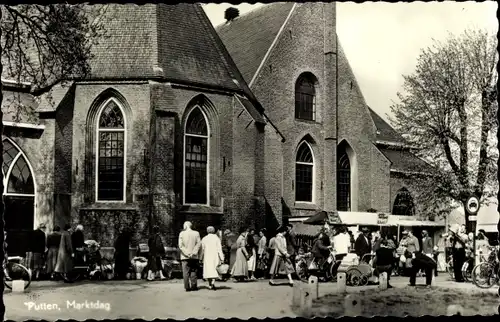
(300, 48)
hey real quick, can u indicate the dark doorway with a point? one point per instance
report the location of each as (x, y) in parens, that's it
(19, 221)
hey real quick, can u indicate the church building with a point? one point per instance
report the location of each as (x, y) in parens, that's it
(251, 124)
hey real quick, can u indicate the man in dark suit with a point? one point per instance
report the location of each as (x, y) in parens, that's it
(291, 243)
(363, 243)
(421, 262)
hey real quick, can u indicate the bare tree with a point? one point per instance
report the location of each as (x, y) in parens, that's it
(43, 45)
(447, 111)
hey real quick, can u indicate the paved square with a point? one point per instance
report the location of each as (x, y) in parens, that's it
(165, 299)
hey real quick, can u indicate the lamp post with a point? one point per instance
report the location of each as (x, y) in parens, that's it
(471, 209)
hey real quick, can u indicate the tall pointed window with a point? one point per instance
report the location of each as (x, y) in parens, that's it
(19, 197)
(403, 204)
(111, 153)
(305, 97)
(196, 158)
(304, 173)
(343, 181)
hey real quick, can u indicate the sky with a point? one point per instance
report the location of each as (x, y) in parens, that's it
(382, 40)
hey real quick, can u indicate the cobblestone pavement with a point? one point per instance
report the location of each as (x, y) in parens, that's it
(166, 299)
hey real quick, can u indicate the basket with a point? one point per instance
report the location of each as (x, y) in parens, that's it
(223, 269)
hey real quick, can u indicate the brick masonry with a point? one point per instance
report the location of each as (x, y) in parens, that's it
(251, 171)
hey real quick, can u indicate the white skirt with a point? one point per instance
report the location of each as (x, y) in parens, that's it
(252, 261)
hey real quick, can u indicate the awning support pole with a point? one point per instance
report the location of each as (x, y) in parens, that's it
(399, 230)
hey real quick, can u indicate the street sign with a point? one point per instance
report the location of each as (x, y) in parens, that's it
(472, 205)
(382, 219)
(472, 218)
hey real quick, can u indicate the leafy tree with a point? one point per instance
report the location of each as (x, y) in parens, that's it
(448, 113)
(43, 46)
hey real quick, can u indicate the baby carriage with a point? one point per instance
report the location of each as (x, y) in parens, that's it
(361, 273)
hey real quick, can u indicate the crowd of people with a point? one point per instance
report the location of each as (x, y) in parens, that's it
(250, 255)
(52, 254)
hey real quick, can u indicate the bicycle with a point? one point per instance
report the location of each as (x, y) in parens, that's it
(15, 271)
(306, 265)
(92, 265)
(486, 274)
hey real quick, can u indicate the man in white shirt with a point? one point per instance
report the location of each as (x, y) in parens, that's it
(342, 244)
(189, 246)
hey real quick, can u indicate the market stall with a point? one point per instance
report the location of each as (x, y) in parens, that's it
(383, 222)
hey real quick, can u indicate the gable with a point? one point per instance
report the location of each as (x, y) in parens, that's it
(385, 132)
(249, 37)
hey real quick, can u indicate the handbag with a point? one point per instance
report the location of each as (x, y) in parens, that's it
(222, 269)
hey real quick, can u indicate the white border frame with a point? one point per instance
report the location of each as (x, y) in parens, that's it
(6, 179)
(184, 157)
(313, 196)
(125, 144)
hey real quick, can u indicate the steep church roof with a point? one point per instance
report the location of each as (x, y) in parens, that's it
(385, 132)
(159, 41)
(249, 37)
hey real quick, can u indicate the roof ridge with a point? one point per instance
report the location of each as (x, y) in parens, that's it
(248, 13)
(215, 39)
(273, 44)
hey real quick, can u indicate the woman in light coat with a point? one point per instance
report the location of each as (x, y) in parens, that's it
(240, 268)
(212, 256)
(281, 258)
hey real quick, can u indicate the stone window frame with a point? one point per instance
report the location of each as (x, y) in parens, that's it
(207, 168)
(403, 194)
(89, 172)
(6, 176)
(313, 172)
(343, 159)
(299, 107)
(97, 145)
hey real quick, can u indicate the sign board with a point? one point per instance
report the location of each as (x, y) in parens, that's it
(472, 218)
(334, 218)
(382, 219)
(472, 205)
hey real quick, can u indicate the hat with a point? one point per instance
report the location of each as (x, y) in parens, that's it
(365, 229)
(405, 232)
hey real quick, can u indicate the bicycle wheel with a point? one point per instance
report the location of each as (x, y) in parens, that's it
(301, 270)
(467, 271)
(17, 272)
(483, 275)
(353, 277)
(107, 269)
(72, 276)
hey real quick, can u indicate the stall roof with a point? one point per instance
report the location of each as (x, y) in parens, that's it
(354, 218)
(303, 229)
(418, 223)
(362, 218)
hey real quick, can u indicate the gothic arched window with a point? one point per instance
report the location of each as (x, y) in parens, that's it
(19, 197)
(343, 181)
(304, 173)
(196, 137)
(111, 136)
(403, 204)
(305, 97)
